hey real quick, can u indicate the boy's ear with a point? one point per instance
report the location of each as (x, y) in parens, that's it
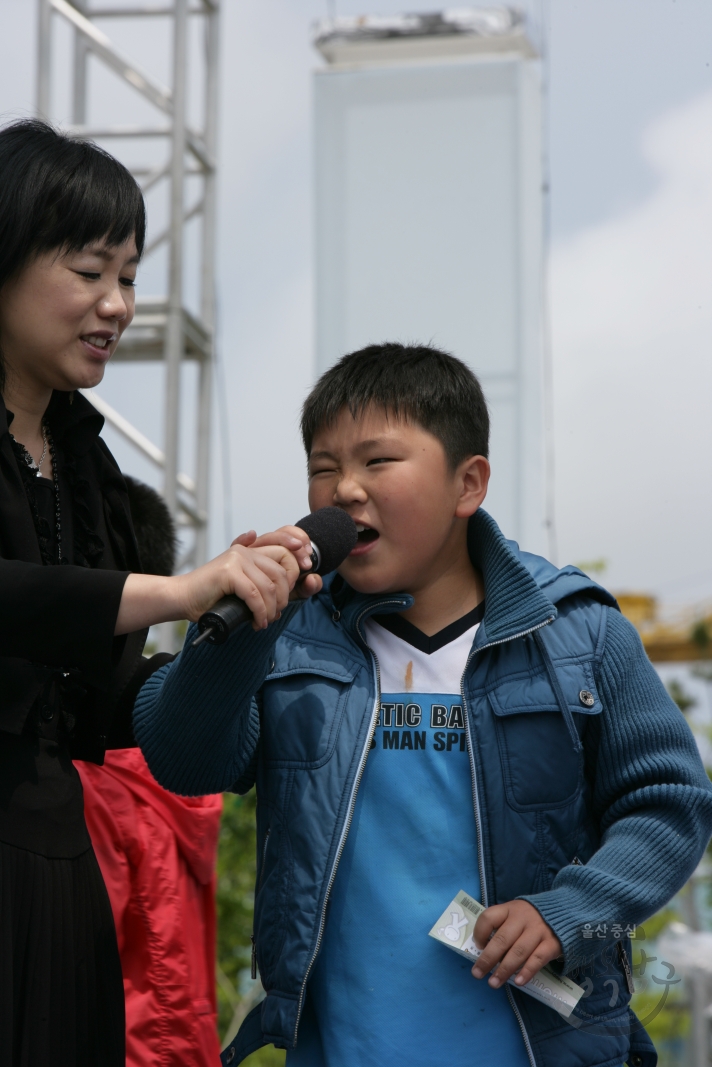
(473, 476)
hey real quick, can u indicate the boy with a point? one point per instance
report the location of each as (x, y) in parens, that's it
(447, 713)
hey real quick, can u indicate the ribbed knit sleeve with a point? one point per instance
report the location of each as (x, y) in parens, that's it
(651, 797)
(196, 718)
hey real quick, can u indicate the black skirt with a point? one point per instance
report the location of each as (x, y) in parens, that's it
(61, 989)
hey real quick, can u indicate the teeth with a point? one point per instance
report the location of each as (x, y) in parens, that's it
(99, 342)
(360, 528)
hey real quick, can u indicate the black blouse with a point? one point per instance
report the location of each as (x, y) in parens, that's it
(67, 685)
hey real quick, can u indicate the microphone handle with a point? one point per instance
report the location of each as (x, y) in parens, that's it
(217, 624)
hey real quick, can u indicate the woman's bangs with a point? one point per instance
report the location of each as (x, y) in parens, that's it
(97, 200)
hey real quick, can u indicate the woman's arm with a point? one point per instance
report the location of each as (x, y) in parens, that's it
(68, 616)
(262, 576)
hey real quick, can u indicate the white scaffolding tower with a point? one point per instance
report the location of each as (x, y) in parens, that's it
(163, 328)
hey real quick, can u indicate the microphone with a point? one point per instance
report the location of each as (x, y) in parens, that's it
(332, 534)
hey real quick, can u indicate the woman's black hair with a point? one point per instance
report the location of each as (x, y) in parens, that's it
(58, 193)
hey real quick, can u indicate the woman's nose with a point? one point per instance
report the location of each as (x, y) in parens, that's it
(113, 305)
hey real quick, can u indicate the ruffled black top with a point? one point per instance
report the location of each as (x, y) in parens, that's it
(67, 685)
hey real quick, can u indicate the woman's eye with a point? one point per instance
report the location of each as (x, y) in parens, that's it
(128, 282)
(380, 459)
(92, 275)
(325, 470)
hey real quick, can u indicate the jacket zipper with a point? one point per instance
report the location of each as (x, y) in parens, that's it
(475, 798)
(350, 812)
(623, 957)
(253, 962)
(476, 805)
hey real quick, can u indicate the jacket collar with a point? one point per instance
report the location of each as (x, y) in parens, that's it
(514, 603)
(75, 423)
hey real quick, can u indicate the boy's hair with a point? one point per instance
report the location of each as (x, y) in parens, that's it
(417, 383)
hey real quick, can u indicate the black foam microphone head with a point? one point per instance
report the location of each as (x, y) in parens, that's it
(334, 534)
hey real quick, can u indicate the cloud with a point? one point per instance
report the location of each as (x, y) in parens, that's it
(632, 356)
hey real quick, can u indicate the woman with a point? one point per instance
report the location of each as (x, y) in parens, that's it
(72, 613)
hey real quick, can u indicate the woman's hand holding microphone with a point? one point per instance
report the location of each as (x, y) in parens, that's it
(262, 571)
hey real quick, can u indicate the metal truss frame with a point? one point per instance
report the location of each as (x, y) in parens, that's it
(163, 329)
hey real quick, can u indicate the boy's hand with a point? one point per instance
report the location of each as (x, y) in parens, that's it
(298, 543)
(522, 942)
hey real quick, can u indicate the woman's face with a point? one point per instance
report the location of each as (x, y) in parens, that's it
(61, 318)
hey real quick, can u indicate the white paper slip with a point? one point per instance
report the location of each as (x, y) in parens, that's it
(455, 928)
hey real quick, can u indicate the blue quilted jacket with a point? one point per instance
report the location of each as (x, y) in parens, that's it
(589, 797)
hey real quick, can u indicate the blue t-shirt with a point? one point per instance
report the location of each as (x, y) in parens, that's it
(382, 992)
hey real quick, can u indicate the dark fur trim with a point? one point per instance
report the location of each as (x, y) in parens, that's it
(154, 527)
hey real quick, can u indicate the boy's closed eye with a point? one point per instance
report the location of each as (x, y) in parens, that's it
(381, 459)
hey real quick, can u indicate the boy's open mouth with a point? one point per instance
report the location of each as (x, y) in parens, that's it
(366, 536)
(366, 533)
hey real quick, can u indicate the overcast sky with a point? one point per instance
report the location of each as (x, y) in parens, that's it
(629, 118)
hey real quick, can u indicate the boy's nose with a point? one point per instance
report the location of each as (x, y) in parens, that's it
(349, 491)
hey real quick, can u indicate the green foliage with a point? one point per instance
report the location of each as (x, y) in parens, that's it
(266, 1057)
(235, 902)
(700, 634)
(680, 695)
(593, 566)
(670, 1024)
(653, 928)
(235, 893)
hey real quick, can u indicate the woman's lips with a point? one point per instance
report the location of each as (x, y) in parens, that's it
(95, 351)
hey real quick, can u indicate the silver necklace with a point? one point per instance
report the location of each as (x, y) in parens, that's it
(37, 467)
(44, 452)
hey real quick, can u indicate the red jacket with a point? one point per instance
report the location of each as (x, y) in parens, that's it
(157, 854)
